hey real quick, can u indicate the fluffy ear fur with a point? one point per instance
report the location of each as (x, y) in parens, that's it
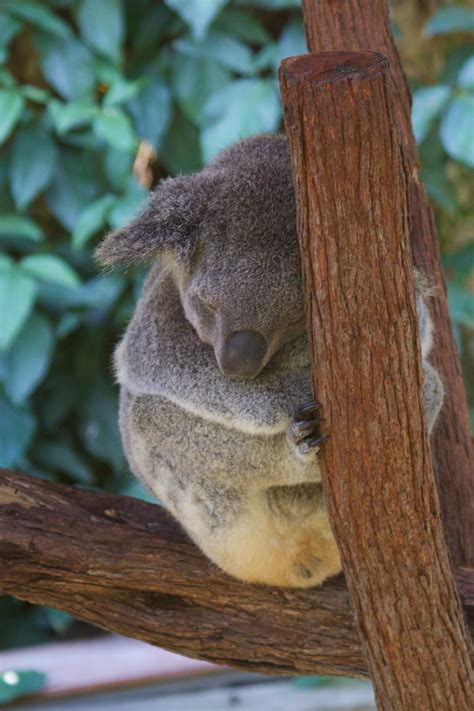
(164, 224)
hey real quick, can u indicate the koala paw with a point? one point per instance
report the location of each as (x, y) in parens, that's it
(303, 432)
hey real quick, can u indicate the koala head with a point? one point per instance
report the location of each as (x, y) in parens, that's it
(227, 235)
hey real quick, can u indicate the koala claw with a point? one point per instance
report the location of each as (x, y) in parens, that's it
(306, 411)
(303, 431)
(303, 428)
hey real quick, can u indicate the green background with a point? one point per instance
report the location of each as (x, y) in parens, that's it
(82, 82)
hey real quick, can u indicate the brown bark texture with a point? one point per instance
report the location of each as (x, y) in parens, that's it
(127, 566)
(353, 226)
(333, 25)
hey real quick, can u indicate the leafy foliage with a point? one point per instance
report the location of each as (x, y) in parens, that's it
(82, 85)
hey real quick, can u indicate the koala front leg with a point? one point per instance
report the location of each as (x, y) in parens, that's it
(303, 433)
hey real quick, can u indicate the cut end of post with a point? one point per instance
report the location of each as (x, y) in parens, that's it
(331, 67)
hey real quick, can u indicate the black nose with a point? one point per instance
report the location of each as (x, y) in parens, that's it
(243, 354)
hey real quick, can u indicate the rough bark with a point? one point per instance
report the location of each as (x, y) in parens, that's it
(363, 24)
(126, 566)
(353, 226)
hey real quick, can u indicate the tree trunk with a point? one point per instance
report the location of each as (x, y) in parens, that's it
(351, 186)
(360, 24)
(128, 567)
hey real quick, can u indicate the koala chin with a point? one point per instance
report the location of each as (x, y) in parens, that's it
(215, 409)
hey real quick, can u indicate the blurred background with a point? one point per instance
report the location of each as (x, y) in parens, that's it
(100, 99)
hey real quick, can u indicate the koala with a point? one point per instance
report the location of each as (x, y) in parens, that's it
(216, 415)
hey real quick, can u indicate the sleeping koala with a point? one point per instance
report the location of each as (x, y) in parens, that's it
(215, 411)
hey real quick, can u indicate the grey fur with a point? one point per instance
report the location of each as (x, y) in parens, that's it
(221, 453)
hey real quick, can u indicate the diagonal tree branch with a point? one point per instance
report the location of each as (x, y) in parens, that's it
(126, 566)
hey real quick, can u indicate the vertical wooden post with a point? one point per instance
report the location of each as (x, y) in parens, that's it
(351, 186)
(363, 24)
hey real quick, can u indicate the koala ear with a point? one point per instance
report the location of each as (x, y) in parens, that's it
(166, 223)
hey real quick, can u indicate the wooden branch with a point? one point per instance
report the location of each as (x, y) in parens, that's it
(360, 24)
(126, 566)
(351, 187)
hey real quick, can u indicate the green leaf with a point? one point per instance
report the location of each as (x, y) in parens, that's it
(114, 127)
(17, 429)
(454, 62)
(68, 323)
(34, 93)
(29, 358)
(58, 398)
(39, 16)
(11, 107)
(20, 227)
(132, 487)
(151, 111)
(92, 220)
(102, 26)
(22, 624)
(59, 620)
(17, 296)
(7, 78)
(15, 684)
(460, 262)
(427, 105)
(197, 14)
(9, 27)
(6, 262)
(243, 108)
(450, 19)
(292, 41)
(440, 189)
(51, 269)
(127, 206)
(241, 25)
(226, 51)
(457, 129)
(461, 304)
(194, 81)
(181, 150)
(72, 114)
(123, 90)
(69, 67)
(74, 186)
(60, 456)
(466, 75)
(99, 428)
(269, 57)
(97, 294)
(118, 166)
(32, 162)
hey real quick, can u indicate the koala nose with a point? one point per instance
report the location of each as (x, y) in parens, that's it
(243, 354)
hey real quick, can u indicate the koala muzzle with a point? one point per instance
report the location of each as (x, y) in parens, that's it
(243, 354)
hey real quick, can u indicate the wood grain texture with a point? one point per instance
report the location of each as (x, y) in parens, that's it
(353, 226)
(333, 25)
(128, 567)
